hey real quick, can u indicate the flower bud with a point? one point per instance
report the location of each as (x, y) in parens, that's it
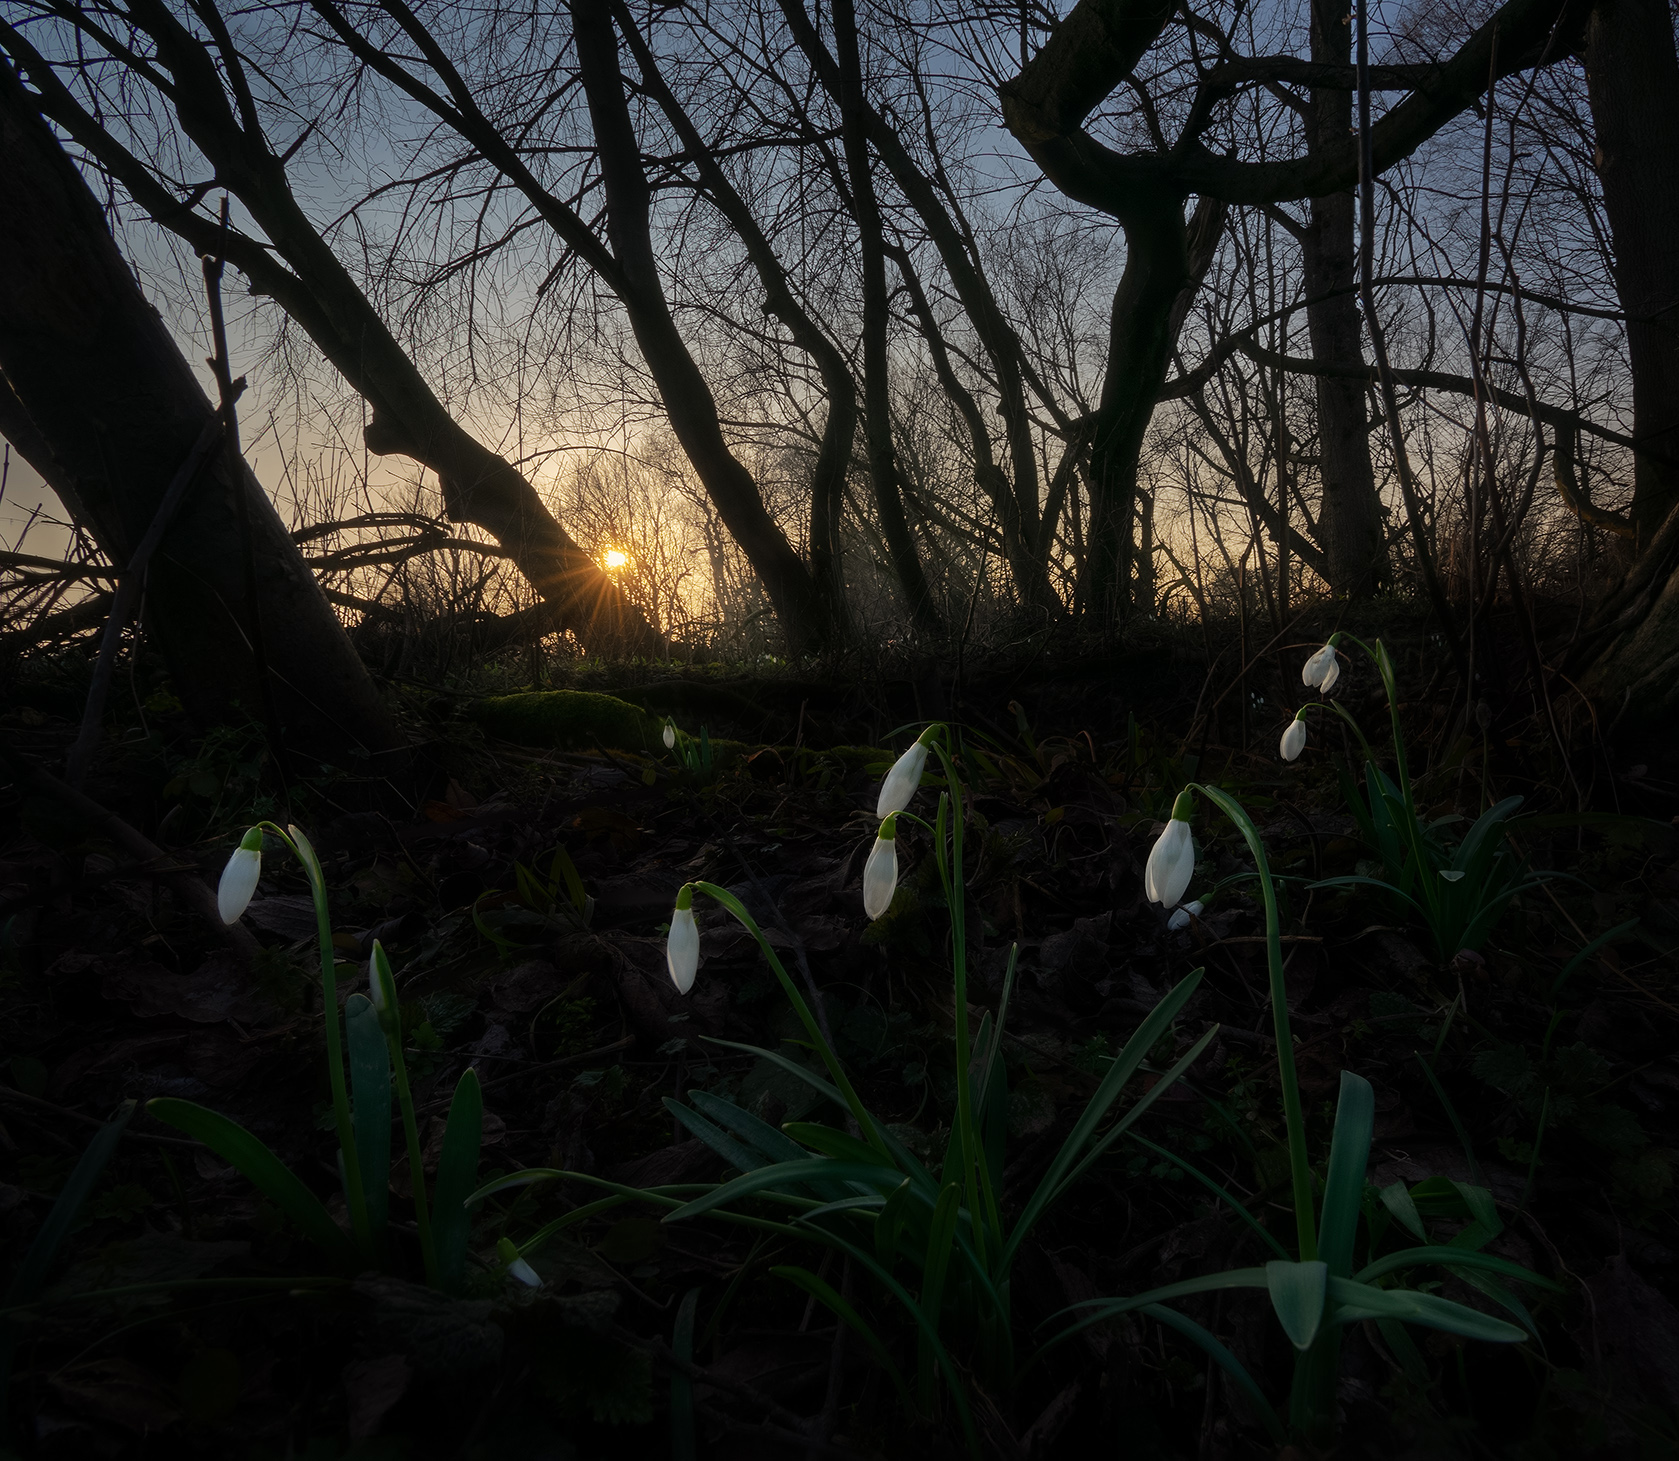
(1294, 740)
(517, 1268)
(1171, 861)
(239, 877)
(682, 946)
(670, 736)
(1180, 919)
(880, 872)
(901, 781)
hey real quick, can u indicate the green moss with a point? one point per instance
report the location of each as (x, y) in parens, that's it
(567, 719)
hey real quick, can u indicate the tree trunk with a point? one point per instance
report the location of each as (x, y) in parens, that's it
(1632, 81)
(797, 596)
(1350, 519)
(1165, 262)
(99, 399)
(877, 404)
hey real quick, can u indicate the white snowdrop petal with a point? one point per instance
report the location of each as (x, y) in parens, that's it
(1294, 740)
(880, 876)
(239, 882)
(682, 949)
(901, 781)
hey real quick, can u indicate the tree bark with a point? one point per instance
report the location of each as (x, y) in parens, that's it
(99, 399)
(1632, 82)
(877, 402)
(1165, 261)
(1350, 518)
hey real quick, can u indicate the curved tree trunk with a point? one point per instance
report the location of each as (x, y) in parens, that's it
(101, 402)
(1632, 80)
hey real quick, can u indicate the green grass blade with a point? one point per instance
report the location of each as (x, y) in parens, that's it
(272, 1177)
(457, 1175)
(1221, 1356)
(1349, 1155)
(370, 1108)
(1239, 1208)
(1113, 1082)
(67, 1206)
(836, 1303)
(790, 1174)
(1453, 1258)
(941, 1237)
(1137, 1111)
(754, 1131)
(737, 1154)
(1355, 1301)
(682, 1446)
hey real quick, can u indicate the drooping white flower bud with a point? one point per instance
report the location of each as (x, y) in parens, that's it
(880, 872)
(1180, 919)
(1294, 740)
(517, 1268)
(239, 877)
(901, 781)
(1171, 861)
(1323, 669)
(682, 946)
(670, 736)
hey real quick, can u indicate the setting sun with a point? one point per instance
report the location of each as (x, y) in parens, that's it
(616, 559)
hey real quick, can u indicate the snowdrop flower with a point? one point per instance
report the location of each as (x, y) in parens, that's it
(1171, 861)
(902, 780)
(381, 986)
(517, 1268)
(880, 872)
(239, 877)
(1180, 920)
(1323, 669)
(670, 736)
(682, 947)
(1294, 738)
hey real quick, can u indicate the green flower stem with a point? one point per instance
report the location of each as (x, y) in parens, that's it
(951, 808)
(353, 1192)
(734, 906)
(416, 1158)
(1300, 1166)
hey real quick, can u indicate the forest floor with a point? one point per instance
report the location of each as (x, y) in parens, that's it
(1520, 1070)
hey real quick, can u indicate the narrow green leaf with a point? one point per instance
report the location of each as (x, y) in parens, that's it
(736, 1153)
(755, 1132)
(681, 1385)
(236, 1146)
(1359, 1301)
(1297, 1296)
(825, 1294)
(370, 1096)
(785, 1175)
(1451, 1258)
(831, 1143)
(67, 1206)
(1349, 1154)
(1397, 1199)
(1226, 1361)
(889, 1224)
(1112, 1084)
(457, 1174)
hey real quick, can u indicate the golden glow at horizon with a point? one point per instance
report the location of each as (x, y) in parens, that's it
(615, 559)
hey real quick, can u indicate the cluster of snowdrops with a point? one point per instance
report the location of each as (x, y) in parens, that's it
(937, 1238)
